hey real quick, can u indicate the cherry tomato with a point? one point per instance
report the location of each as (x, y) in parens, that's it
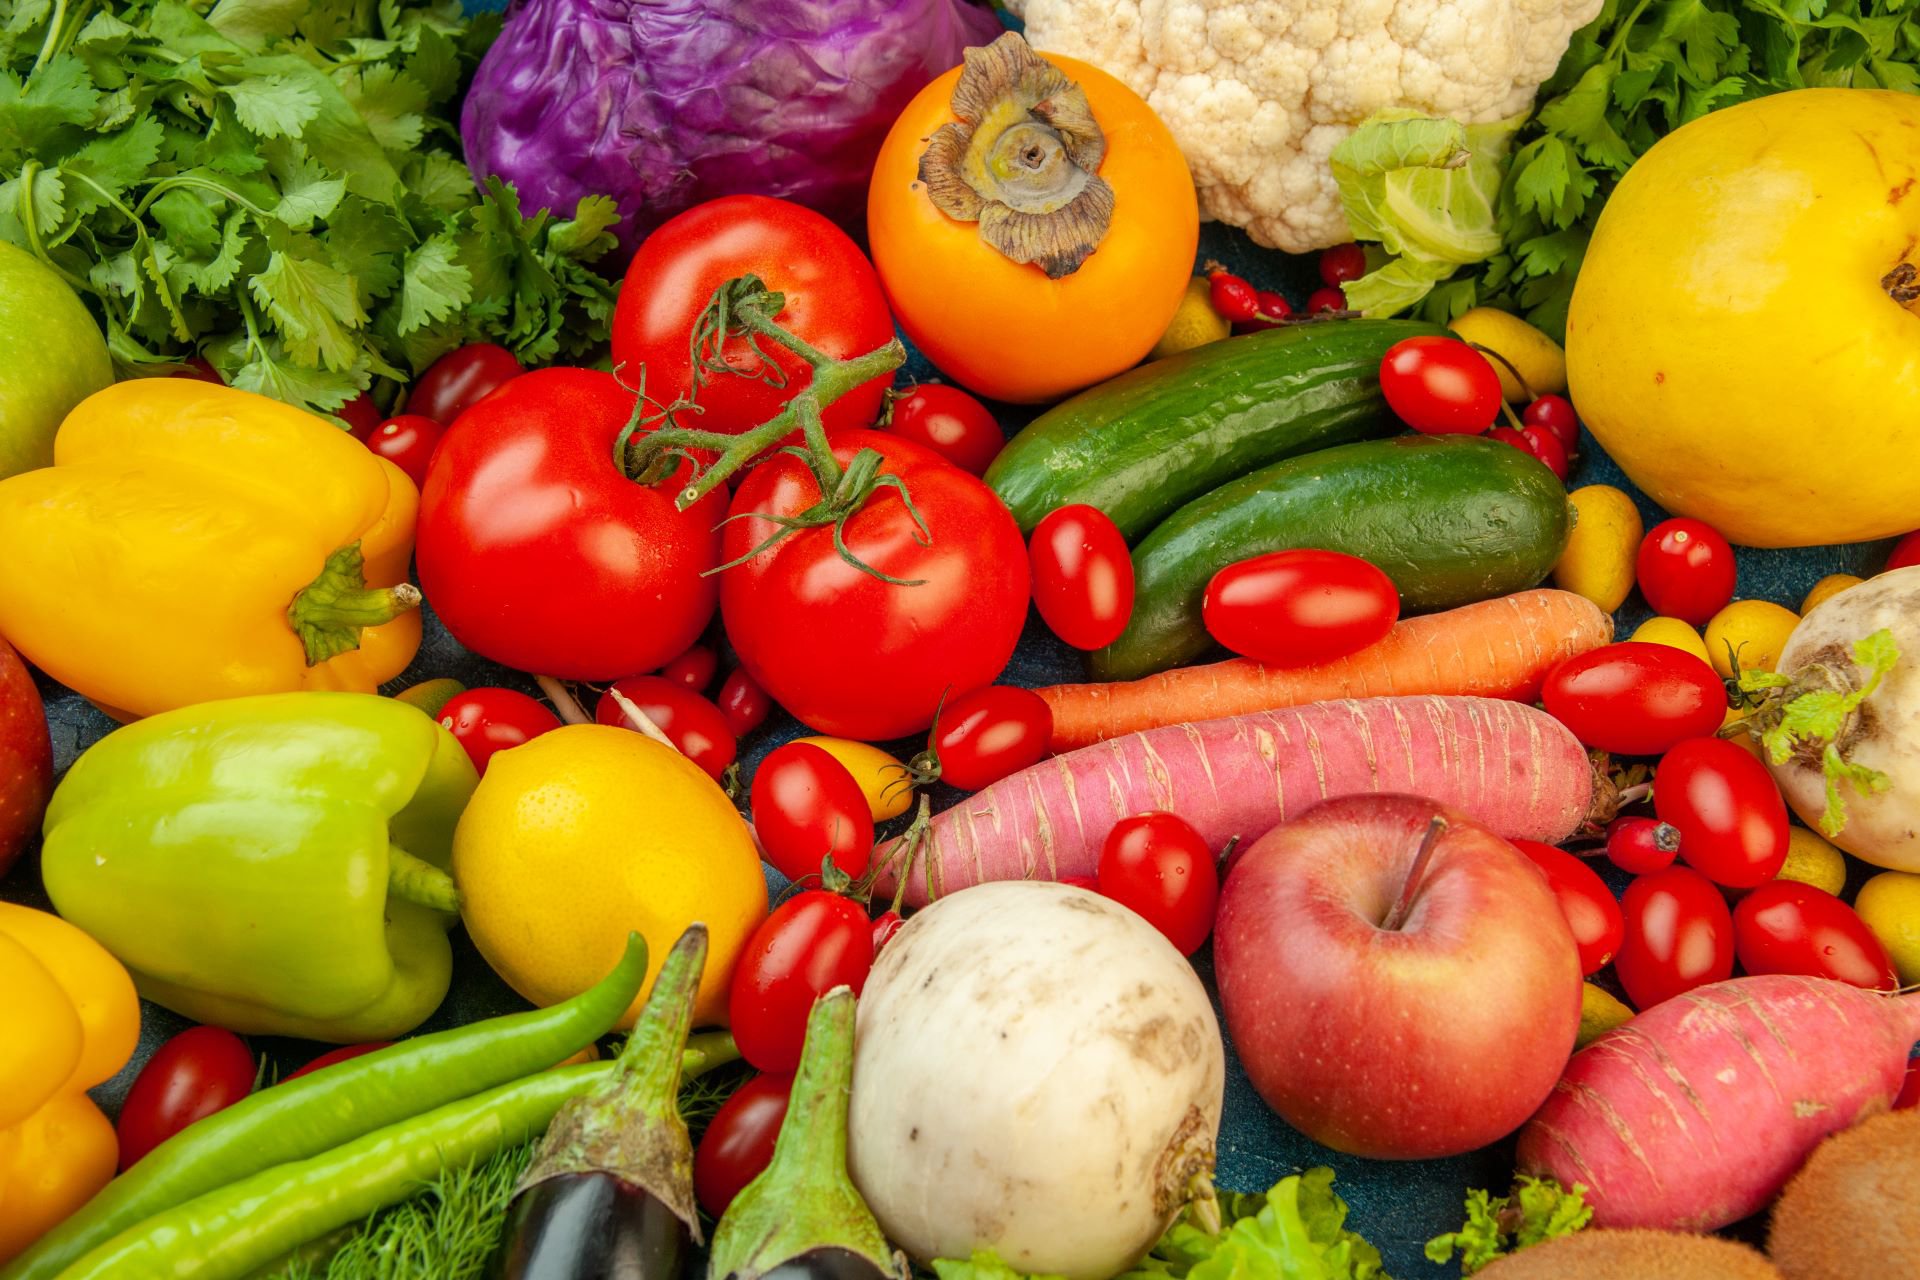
(1685, 569)
(198, 1072)
(1909, 1095)
(951, 423)
(1641, 845)
(199, 369)
(885, 925)
(813, 942)
(457, 380)
(694, 668)
(1556, 414)
(1082, 576)
(1679, 936)
(1731, 819)
(1785, 926)
(1906, 553)
(985, 734)
(345, 1053)
(1232, 297)
(1156, 865)
(360, 414)
(1440, 386)
(1298, 608)
(1586, 902)
(1635, 698)
(1324, 300)
(1543, 444)
(1342, 263)
(743, 702)
(807, 807)
(738, 1143)
(407, 441)
(693, 724)
(1081, 882)
(488, 720)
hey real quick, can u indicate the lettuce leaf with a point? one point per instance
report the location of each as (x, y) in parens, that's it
(1537, 1209)
(1296, 1231)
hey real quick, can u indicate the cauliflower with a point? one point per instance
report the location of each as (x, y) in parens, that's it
(1259, 92)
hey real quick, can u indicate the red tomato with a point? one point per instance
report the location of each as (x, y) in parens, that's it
(743, 702)
(459, 379)
(833, 301)
(694, 668)
(813, 942)
(985, 734)
(849, 654)
(345, 1053)
(1679, 936)
(1909, 1095)
(538, 553)
(1556, 414)
(807, 807)
(1731, 819)
(695, 725)
(198, 1072)
(1788, 927)
(1635, 698)
(885, 925)
(1298, 608)
(1641, 845)
(407, 441)
(1342, 264)
(488, 720)
(1685, 569)
(738, 1143)
(1906, 553)
(1440, 386)
(951, 423)
(1157, 866)
(360, 414)
(1586, 902)
(1082, 576)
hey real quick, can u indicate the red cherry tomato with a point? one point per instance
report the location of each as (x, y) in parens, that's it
(951, 423)
(1342, 263)
(738, 1143)
(807, 807)
(813, 942)
(345, 1053)
(1731, 819)
(1586, 902)
(1685, 570)
(1679, 936)
(885, 925)
(1543, 444)
(198, 1072)
(488, 720)
(1788, 927)
(694, 725)
(1440, 386)
(1909, 1095)
(1556, 414)
(1635, 698)
(1298, 608)
(693, 669)
(459, 379)
(1324, 300)
(360, 414)
(1156, 865)
(744, 703)
(1082, 576)
(407, 441)
(1906, 553)
(1641, 845)
(986, 734)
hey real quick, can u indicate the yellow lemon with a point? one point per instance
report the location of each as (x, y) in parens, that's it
(1826, 589)
(587, 832)
(1540, 361)
(1757, 630)
(882, 779)
(1890, 904)
(1673, 633)
(1598, 560)
(1195, 323)
(1811, 860)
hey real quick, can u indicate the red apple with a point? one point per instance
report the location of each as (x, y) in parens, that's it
(1397, 979)
(26, 757)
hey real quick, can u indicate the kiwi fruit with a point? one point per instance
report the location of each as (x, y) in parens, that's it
(1853, 1210)
(1598, 1254)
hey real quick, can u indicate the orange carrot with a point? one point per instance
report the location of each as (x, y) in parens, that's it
(1495, 649)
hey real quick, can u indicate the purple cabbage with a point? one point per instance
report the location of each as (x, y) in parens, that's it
(662, 104)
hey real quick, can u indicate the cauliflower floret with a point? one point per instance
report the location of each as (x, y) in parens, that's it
(1259, 92)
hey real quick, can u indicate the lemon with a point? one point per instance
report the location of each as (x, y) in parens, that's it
(1890, 904)
(1673, 633)
(1600, 1013)
(1598, 560)
(587, 832)
(1195, 323)
(882, 779)
(1811, 860)
(1826, 589)
(1541, 362)
(1757, 630)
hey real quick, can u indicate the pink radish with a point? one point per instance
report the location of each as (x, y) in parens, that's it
(1694, 1114)
(1515, 769)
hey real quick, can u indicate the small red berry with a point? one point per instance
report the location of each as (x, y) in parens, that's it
(1342, 263)
(1543, 444)
(1642, 845)
(1232, 297)
(1556, 414)
(1906, 553)
(1326, 300)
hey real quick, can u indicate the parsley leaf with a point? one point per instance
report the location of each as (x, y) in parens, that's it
(1538, 1209)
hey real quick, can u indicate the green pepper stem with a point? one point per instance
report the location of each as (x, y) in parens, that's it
(329, 613)
(418, 881)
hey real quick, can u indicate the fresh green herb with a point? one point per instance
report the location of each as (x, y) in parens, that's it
(1537, 1209)
(1297, 1229)
(276, 185)
(1809, 711)
(985, 1264)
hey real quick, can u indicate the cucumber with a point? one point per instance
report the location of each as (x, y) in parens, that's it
(1141, 444)
(1451, 519)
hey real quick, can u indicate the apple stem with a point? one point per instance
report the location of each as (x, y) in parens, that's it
(1402, 908)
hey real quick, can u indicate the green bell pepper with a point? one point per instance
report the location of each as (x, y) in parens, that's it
(274, 865)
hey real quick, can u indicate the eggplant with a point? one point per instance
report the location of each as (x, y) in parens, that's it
(802, 1219)
(609, 1195)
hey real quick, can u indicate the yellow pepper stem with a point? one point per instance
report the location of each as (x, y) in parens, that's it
(413, 879)
(330, 612)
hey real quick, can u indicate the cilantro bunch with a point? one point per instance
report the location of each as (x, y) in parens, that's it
(276, 186)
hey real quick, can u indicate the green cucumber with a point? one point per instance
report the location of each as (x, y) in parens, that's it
(1140, 445)
(1451, 519)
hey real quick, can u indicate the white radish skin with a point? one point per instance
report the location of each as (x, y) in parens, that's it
(1037, 1072)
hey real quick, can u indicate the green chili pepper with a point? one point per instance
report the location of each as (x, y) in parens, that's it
(303, 1117)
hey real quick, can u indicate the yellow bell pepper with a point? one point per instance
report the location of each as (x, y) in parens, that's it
(68, 1021)
(193, 542)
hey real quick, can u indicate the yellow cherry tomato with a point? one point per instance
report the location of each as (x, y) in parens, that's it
(1811, 860)
(1756, 630)
(1598, 560)
(1673, 633)
(1826, 589)
(882, 779)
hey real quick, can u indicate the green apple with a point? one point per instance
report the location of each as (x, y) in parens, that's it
(51, 358)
